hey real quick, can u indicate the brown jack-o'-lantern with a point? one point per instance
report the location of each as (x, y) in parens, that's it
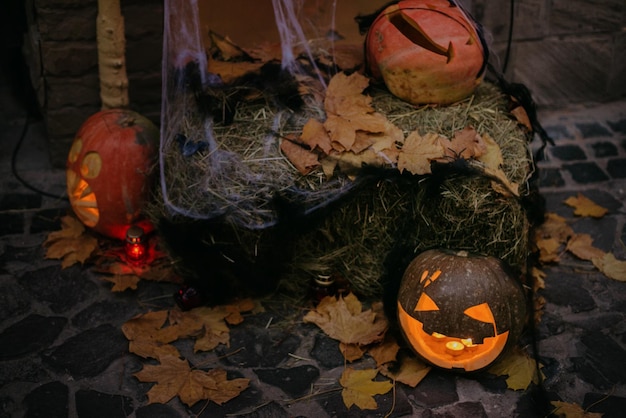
(109, 170)
(426, 51)
(460, 311)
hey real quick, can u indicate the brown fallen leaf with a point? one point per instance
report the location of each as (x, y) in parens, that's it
(122, 282)
(174, 377)
(520, 369)
(351, 352)
(303, 159)
(580, 246)
(359, 388)
(611, 267)
(418, 151)
(466, 143)
(73, 243)
(522, 117)
(384, 352)
(314, 135)
(343, 319)
(411, 371)
(585, 207)
(142, 332)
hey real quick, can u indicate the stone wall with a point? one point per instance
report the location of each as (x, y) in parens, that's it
(565, 51)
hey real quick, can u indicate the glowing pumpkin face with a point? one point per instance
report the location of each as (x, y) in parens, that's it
(109, 170)
(426, 51)
(459, 311)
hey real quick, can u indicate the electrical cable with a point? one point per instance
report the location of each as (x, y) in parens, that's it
(509, 40)
(16, 150)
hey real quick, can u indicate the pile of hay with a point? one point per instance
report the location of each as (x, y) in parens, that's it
(366, 232)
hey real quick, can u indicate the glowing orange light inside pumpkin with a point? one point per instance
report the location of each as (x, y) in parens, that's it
(135, 248)
(454, 347)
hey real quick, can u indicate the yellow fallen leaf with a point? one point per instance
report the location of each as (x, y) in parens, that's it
(554, 226)
(418, 151)
(548, 250)
(411, 371)
(520, 369)
(359, 388)
(580, 246)
(612, 267)
(585, 207)
(492, 157)
(570, 410)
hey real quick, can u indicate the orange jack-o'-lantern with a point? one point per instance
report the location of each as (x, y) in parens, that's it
(109, 170)
(426, 51)
(460, 311)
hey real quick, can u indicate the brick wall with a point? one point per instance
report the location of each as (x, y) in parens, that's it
(61, 50)
(565, 51)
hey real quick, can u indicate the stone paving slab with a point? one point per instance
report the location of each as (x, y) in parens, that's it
(62, 353)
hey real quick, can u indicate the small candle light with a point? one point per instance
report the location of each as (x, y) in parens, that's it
(454, 347)
(135, 247)
(439, 337)
(467, 342)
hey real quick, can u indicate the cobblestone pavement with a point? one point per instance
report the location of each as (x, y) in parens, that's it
(62, 352)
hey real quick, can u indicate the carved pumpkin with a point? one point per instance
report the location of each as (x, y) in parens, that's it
(109, 170)
(460, 311)
(426, 51)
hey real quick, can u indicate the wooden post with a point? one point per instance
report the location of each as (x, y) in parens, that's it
(111, 55)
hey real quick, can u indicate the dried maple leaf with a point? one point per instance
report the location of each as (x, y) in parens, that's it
(359, 388)
(73, 244)
(418, 151)
(570, 410)
(522, 117)
(122, 282)
(303, 159)
(384, 352)
(548, 250)
(411, 371)
(466, 143)
(554, 226)
(519, 368)
(315, 136)
(351, 352)
(585, 207)
(492, 156)
(143, 333)
(611, 267)
(174, 377)
(343, 319)
(580, 246)
(344, 95)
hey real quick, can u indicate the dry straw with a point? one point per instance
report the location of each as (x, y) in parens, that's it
(358, 237)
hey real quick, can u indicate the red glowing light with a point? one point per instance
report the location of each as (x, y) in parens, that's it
(135, 247)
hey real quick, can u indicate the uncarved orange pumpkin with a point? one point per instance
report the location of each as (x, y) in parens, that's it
(426, 51)
(460, 311)
(110, 168)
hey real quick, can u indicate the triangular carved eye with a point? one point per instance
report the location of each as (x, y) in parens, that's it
(481, 313)
(425, 303)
